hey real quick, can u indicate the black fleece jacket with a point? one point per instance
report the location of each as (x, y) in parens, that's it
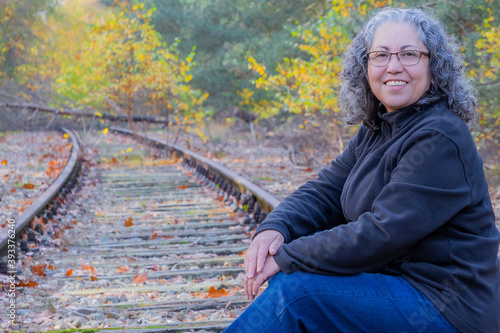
(410, 201)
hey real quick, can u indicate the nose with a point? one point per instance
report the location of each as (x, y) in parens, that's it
(394, 65)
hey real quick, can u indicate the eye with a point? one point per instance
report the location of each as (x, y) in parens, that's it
(409, 54)
(380, 55)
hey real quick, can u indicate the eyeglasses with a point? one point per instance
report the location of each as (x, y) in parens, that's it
(406, 58)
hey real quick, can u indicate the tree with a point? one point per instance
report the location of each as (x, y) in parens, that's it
(224, 32)
(124, 64)
(19, 21)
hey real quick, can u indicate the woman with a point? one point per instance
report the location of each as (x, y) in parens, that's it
(398, 234)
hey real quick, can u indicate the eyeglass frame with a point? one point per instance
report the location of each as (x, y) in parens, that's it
(421, 53)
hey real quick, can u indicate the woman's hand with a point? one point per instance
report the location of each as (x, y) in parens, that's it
(265, 243)
(252, 285)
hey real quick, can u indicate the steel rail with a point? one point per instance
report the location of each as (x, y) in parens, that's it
(68, 175)
(266, 201)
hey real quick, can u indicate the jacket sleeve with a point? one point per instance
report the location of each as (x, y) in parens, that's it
(427, 188)
(316, 204)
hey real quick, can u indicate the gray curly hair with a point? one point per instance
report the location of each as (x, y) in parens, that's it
(357, 101)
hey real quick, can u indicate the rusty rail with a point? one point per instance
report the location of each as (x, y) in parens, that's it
(66, 180)
(235, 188)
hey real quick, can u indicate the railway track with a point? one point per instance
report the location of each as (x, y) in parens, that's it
(138, 242)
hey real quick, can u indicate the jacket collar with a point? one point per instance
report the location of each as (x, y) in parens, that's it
(396, 120)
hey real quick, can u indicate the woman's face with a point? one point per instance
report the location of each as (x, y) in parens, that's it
(394, 84)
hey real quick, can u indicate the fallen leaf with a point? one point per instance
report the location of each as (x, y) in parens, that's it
(140, 278)
(38, 269)
(212, 292)
(4, 162)
(154, 236)
(122, 269)
(128, 222)
(30, 284)
(93, 278)
(88, 268)
(28, 186)
(181, 187)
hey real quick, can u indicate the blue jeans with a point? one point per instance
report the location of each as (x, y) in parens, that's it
(305, 302)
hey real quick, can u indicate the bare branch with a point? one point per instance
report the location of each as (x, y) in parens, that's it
(76, 113)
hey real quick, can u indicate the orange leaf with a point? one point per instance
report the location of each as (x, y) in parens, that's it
(29, 186)
(38, 269)
(30, 284)
(75, 222)
(122, 269)
(242, 253)
(140, 278)
(93, 278)
(88, 268)
(154, 236)
(212, 292)
(4, 162)
(51, 267)
(128, 223)
(13, 190)
(181, 187)
(99, 213)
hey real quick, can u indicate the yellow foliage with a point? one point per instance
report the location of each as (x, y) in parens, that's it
(309, 86)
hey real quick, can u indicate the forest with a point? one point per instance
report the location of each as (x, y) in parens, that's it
(194, 61)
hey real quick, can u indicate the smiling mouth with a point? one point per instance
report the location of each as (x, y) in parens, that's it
(396, 83)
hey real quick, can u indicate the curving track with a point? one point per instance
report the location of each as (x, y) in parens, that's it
(145, 245)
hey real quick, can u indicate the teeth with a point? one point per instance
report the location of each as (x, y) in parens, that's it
(395, 83)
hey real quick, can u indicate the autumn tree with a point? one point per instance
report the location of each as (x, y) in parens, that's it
(53, 47)
(124, 61)
(224, 32)
(19, 21)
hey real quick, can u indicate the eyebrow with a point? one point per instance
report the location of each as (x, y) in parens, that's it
(401, 48)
